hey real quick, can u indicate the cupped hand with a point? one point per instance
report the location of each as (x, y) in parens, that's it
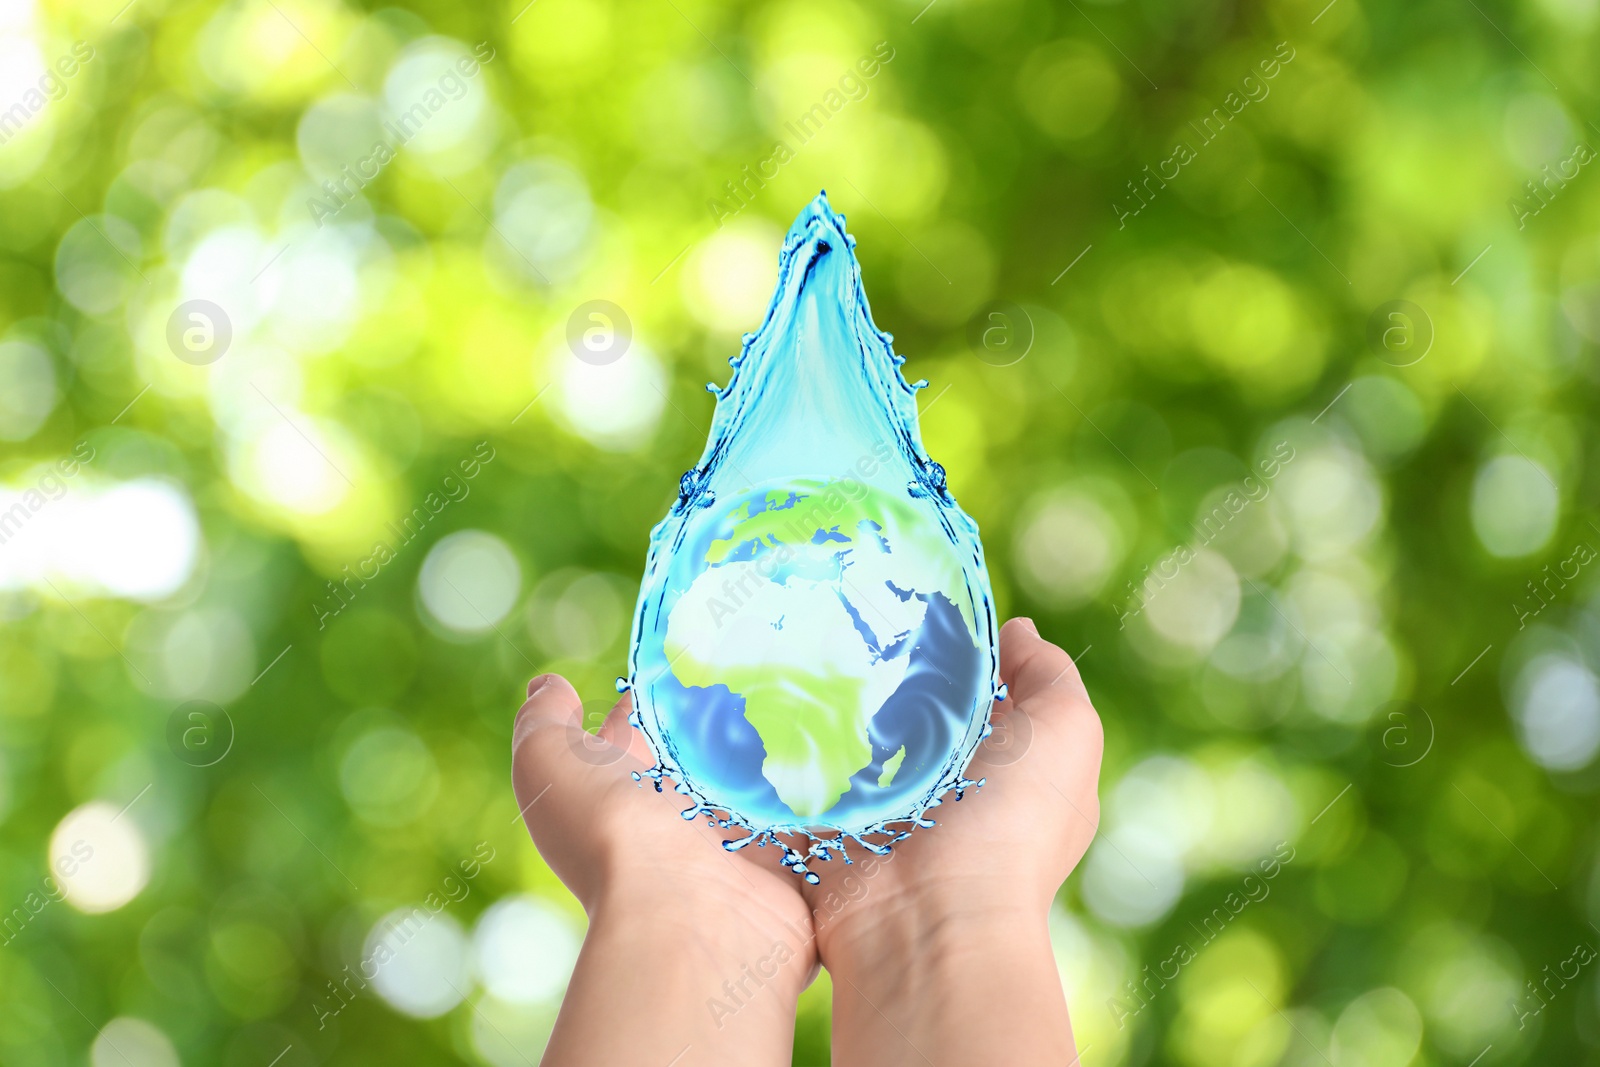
(622, 847)
(1005, 847)
(940, 947)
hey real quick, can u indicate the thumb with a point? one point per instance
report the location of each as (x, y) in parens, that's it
(551, 699)
(1031, 666)
(541, 736)
(617, 731)
(557, 788)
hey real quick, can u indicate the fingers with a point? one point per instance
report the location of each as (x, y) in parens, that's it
(549, 742)
(617, 730)
(1047, 692)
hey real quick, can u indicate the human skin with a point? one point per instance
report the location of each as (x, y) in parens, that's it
(943, 955)
(939, 953)
(675, 921)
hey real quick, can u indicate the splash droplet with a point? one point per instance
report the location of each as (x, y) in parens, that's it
(814, 649)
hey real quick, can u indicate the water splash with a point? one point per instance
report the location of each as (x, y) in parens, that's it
(814, 648)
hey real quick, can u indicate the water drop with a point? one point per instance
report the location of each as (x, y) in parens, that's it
(813, 652)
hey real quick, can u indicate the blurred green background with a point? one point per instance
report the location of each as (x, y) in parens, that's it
(220, 774)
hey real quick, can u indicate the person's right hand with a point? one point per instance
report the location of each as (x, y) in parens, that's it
(690, 950)
(963, 905)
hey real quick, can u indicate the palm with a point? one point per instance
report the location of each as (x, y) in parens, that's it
(1035, 814)
(593, 823)
(691, 850)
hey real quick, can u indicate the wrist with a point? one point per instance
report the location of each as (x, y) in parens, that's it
(948, 925)
(711, 941)
(655, 975)
(962, 973)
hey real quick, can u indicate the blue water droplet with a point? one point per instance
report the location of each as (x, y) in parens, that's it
(815, 506)
(1003, 692)
(621, 684)
(688, 484)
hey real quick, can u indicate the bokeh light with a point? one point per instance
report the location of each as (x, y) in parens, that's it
(525, 950)
(1514, 506)
(469, 581)
(129, 1042)
(426, 970)
(1333, 589)
(99, 858)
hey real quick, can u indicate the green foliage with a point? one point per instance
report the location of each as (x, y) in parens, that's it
(1261, 342)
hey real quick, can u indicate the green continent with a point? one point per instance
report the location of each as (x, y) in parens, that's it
(807, 723)
(891, 767)
(839, 508)
(766, 620)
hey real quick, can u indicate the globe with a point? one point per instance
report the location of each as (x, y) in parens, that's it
(812, 656)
